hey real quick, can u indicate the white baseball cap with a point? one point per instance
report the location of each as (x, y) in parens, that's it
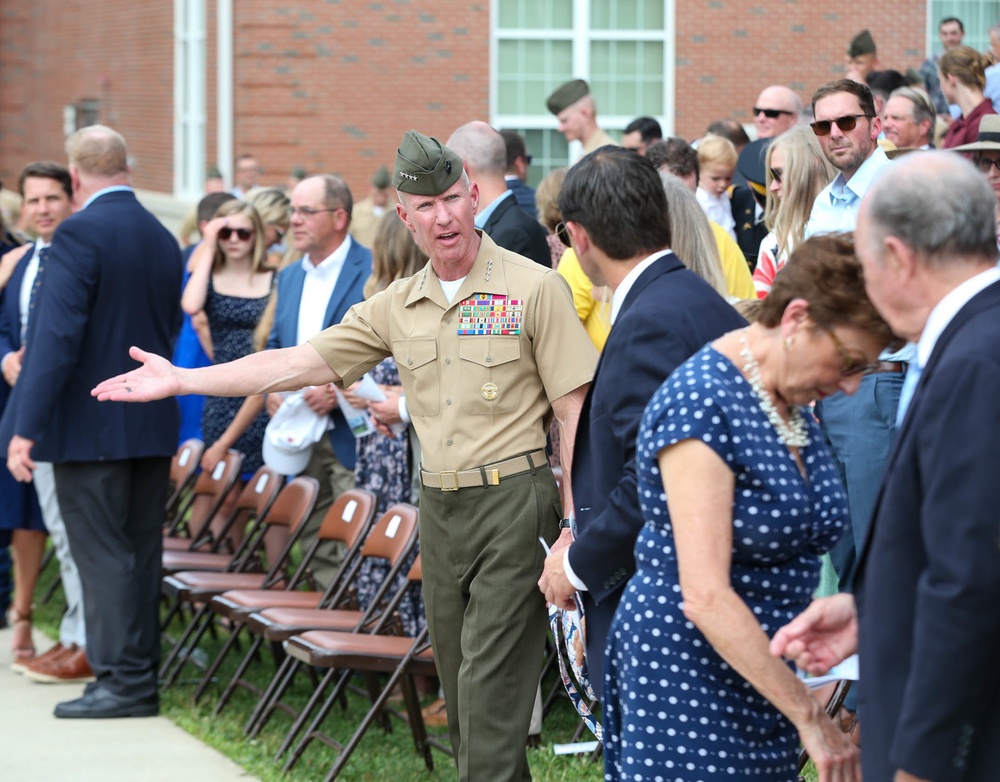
(291, 434)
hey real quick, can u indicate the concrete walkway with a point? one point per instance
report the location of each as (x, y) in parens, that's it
(36, 747)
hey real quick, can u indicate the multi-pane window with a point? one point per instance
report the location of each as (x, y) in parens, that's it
(624, 48)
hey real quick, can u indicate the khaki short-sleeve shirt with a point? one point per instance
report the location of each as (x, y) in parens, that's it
(480, 373)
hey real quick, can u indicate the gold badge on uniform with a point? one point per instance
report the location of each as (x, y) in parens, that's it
(490, 391)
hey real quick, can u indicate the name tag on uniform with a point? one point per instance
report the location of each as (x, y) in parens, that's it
(489, 314)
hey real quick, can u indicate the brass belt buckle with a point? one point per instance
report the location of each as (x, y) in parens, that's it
(454, 477)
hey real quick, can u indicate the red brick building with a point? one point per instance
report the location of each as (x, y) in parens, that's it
(331, 85)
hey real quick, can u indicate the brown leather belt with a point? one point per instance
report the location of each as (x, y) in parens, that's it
(487, 475)
(892, 367)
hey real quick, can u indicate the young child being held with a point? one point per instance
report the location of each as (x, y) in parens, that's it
(717, 161)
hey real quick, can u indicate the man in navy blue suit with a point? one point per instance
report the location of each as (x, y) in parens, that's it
(924, 614)
(662, 313)
(313, 294)
(112, 276)
(47, 193)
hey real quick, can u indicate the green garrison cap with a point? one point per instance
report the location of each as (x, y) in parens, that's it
(381, 179)
(214, 173)
(425, 166)
(299, 172)
(862, 43)
(567, 95)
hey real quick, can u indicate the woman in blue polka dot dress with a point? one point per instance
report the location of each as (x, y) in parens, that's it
(740, 498)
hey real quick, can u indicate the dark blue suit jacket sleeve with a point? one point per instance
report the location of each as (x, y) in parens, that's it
(956, 624)
(603, 556)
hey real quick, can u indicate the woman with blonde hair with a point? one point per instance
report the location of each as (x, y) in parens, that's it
(796, 171)
(231, 282)
(962, 71)
(273, 206)
(692, 239)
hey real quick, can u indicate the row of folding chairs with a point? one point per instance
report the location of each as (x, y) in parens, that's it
(280, 606)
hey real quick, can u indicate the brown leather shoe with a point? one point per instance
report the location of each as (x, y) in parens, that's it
(51, 654)
(436, 714)
(71, 668)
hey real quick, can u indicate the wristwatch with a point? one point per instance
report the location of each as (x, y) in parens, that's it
(565, 524)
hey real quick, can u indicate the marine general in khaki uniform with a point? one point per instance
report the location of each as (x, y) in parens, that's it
(488, 347)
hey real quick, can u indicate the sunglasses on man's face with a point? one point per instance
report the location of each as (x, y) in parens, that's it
(770, 113)
(244, 234)
(822, 127)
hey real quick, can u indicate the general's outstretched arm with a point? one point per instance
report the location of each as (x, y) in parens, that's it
(287, 369)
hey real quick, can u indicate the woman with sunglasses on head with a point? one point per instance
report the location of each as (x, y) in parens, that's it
(231, 282)
(740, 498)
(797, 170)
(962, 71)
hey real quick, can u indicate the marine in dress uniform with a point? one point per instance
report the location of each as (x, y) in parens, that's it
(481, 371)
(489, 348)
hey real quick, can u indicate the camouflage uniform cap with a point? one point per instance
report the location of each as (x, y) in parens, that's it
(862, 43)
(425, 166)
(381, 179)
(568, 94)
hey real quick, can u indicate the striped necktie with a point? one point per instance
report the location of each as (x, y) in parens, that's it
(43, 254)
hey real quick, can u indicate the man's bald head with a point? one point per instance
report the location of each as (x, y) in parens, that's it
(481, 148)
(784, 106)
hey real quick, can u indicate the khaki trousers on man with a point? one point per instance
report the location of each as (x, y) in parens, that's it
(481, 563)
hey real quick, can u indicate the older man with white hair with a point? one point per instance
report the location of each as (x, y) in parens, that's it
(923, 615)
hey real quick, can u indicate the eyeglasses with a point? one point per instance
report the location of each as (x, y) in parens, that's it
(821, 127)
(244, 234)
(563, 233)
(527, 158)
(771, 113)
(776, 174)
(984, 164)
(307, 212)
(850, 365)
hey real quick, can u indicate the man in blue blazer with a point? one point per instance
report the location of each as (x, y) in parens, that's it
(662, 313)
(927, 584)
(47, 195)
(313, 294)
(112, 277)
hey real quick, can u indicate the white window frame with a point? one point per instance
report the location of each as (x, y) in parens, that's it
(582, 37)
(189, 99)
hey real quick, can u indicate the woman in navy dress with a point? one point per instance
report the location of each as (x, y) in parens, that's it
(384, 461)
(740, 498)
(231, 283)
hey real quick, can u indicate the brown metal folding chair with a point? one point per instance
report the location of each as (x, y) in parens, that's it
(343, 654)
(348, 521)
(248, 514)
(183, 471)
(393, 538)
(187, 533)
(290, 510)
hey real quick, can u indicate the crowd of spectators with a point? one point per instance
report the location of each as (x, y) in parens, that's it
(768, 314)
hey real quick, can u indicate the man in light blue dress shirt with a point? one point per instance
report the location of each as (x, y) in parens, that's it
(859, 427)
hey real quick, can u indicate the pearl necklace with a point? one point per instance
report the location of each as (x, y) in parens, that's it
(791, 432)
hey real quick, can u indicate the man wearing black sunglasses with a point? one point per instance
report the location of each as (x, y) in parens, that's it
(860, 427)
(777, 109)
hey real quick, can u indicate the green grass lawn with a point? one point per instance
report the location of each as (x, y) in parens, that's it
(381, 756)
